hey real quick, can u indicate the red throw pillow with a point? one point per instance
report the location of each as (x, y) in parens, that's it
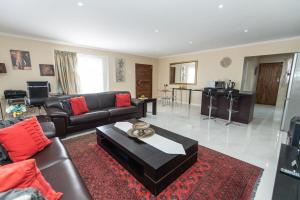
(23, 139)
(25, 174)
(123, 100)
(78, 105)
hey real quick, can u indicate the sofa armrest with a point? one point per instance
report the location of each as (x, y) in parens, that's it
(49, 129)
(60, 120)
(55, 112)
(140, 107)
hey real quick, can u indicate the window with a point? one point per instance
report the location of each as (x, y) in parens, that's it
(92, 74)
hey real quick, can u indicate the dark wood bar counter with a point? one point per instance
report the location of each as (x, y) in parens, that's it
(244, 105)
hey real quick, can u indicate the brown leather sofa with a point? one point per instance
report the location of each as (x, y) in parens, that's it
(102, 111)
(56, 166)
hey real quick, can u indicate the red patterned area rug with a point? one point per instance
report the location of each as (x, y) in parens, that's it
(214, 176)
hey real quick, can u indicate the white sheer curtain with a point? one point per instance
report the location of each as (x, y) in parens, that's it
(92, 74)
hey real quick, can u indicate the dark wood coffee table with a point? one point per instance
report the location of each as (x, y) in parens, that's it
(152, 167)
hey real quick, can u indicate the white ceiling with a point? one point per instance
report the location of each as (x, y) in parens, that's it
(129, 25)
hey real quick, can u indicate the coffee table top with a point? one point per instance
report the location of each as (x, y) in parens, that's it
(144, 152)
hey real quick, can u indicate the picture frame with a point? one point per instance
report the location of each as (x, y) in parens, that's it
(47, 70)
(120, 70)
(20, 59)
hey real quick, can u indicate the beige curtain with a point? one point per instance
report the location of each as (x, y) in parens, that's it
(65, 65)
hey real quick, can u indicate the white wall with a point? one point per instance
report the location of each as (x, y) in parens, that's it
(43, 53)
(249, 79)
(209, 62)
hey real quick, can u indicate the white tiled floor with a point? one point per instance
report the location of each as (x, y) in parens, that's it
(257, 143)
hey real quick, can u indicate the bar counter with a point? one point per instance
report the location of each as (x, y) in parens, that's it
(244, 105)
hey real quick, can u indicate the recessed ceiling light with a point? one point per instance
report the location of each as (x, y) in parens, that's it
(246, 30)
(80, 4)
(221, 6)
(190, 42)
(156, 30)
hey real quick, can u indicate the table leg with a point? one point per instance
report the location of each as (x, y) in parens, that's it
(172, 94)
(2, 116)
(154, 107)
(144, 109)
(190, 96)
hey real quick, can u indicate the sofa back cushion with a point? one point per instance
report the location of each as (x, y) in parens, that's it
(92, 101)
(108, 99)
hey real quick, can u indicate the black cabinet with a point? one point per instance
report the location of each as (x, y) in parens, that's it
(286, 187)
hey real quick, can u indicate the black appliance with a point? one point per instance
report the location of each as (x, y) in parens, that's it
(230, 84)
(14, 94)
(220, 84)
(38, 92)
(294, 131)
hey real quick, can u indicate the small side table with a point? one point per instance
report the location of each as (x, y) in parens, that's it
(154, 106)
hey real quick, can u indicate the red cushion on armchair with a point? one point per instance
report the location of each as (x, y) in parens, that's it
(24, 139)
(123, 100)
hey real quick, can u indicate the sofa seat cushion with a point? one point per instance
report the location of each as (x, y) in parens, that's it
(122, 111)
(51, 155)
(89, 117)
(64, 177)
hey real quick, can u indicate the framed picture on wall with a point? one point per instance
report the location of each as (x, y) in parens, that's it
(20, 60)
(47, 70)
(120, 70)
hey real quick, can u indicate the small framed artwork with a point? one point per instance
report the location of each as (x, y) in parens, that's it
(47, 70)
(120, 70)
(20, 60)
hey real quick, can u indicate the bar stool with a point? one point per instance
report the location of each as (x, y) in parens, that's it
(210, 93)
(232, 95)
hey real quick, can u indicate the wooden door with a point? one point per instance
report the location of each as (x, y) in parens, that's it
(268, 83)
(143, 77)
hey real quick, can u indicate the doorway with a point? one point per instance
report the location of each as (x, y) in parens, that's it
(143, 77)
(267, 76)
(268, 83)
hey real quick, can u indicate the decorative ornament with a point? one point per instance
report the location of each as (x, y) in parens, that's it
(225, 62)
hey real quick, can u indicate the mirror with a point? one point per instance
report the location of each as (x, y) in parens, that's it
(183, 73)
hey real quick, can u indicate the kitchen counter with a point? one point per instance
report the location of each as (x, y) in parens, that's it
(244, 104)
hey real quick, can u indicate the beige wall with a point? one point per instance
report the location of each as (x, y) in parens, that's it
(209, 63)
(43, 53)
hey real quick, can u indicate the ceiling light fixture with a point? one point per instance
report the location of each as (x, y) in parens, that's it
(80, 3)
(246, 30)
(191, 42)
(156, 30)
(221, 6)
